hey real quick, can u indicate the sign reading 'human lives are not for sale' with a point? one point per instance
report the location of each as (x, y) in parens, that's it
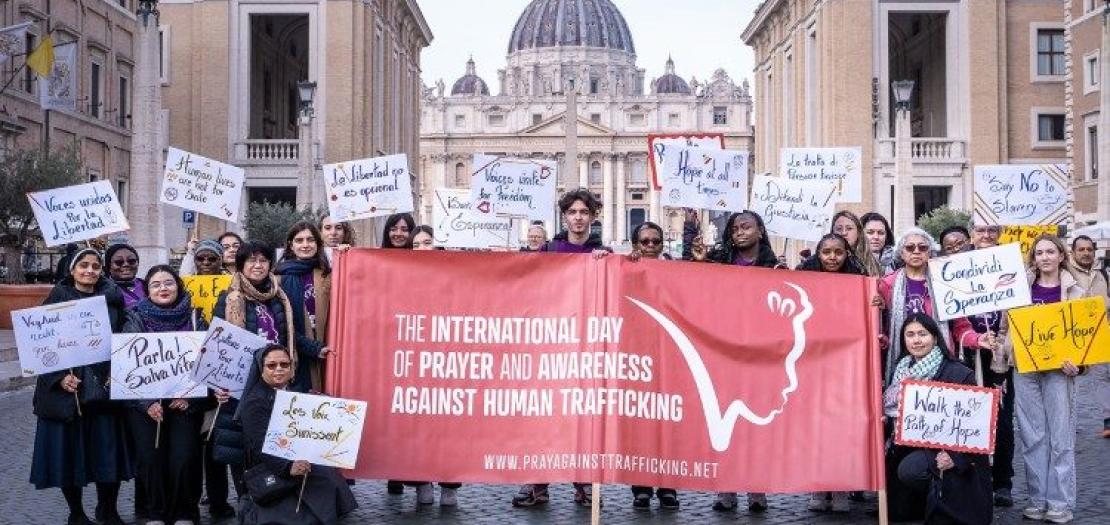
(318, 429)
(77, 213)
(62, 335)
(374, 187)
(203, 185)
(708, 179)
(947, 416)
(979, 281)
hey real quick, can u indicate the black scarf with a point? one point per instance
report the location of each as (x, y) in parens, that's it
(166, 319)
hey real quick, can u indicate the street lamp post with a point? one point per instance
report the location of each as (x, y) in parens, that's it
(306, 159)
(903, 213)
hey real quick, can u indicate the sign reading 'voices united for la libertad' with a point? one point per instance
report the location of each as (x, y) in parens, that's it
(979, 281)
(77, 213)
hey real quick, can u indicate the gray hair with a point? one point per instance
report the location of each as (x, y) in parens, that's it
(901, 241)
(540, 227)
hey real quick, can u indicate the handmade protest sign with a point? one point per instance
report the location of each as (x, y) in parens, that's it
(794, 209)
(660, 146)
(375, 187)
(226, 354)
(205, 291)
(1025, 235)
(1046, 335)
(63, 335)
(317, 429)
(1021, 194)
(203, 185)
(77, 213)
(155, 365)
(513, 187)
(839, 166)
(946, 416)
(457, 226)
(709, 179)
(979, 281)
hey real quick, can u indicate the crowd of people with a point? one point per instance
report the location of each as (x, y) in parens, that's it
(178, 450)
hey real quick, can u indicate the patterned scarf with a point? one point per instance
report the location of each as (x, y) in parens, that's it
(922, 370)
(174, 318)
(241, 290)
(897, 310)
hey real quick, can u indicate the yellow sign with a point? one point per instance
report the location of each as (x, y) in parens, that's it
(205, 289)
(1025, 235)
(1045, 336)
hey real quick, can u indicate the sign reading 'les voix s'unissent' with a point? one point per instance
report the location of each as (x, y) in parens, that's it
(794, 209)
(840, 166)
(708, 179)
(512, 187)
(318, 429)
(375, 187)
(63, 335)
(979, 281)
(77, 213)
(203, 185)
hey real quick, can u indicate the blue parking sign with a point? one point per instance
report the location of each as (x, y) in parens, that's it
(188, 217)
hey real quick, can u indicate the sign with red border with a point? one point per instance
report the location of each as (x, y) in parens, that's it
(655, 155)
(947, 416)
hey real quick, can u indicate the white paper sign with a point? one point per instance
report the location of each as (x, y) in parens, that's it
(63, 335)
(979, 282)
(946, 416)
(226, 354)
(794, 209)
(155, 365)
(708, 179)
(318, 429)
(375, 187)
(1021, 194)
(662, 146)
(513, 187)
(456, 226)
(77, 213)
(839, 166)
(203, 185)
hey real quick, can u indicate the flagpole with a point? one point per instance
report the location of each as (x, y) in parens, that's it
(46, 112)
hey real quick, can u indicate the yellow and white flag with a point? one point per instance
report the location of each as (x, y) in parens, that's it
(12, 41)
(58, 90)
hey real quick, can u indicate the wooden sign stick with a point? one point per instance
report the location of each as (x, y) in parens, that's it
(208, 438)
(595, 504)
(76, 399)
(157, 434)
(884, 508)
(300, 496)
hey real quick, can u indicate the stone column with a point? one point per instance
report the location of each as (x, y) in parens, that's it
(903, 175)
(305, 164)
(621, 233)
(655, 213)
(607, 199)
(584, 171)
(148, 225)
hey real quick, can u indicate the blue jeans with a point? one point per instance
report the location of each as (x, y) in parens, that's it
(1046, 414)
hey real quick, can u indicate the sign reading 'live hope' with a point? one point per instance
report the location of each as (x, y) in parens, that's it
(579, 369)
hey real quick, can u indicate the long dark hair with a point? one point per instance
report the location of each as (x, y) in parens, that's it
(930, 325)
(726, 235)
(321, 255)
(391, 222)
(850, 266)
(181, 291)
(876, 216)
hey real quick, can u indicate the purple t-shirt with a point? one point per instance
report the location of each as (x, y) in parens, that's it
(1045, 294)
(562, 246)
(267, 326)
(740, 261)
(309, 298)
(133, 295)
(917, 296)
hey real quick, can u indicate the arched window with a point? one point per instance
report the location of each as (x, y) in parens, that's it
(595, 173)
(460, 175)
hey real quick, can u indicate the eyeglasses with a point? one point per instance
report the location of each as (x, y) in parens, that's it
(207, 258)
(158, 285)
(917, 248)
(130, 261)
(278, 364)
(650, 242)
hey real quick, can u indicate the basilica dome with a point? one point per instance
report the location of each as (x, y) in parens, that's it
(470, 83)
(584, 23)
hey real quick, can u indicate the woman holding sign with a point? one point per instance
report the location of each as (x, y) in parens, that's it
(306, 280)
(1045, 401)
(940, 485)
(166, 433)
(317, 494)
(76, 445)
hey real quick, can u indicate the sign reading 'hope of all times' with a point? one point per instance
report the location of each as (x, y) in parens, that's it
(709, 179)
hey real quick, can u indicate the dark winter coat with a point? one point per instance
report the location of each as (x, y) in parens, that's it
(307, 347)
(134, 325)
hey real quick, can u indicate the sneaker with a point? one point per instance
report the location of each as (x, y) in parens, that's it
(181, 522)
(1058, 516)
(668, 501)
(395, 488)
(583, 496)
(757, 502)
(530, 496)
(818, 502)
(448, 497)
(1033, 513)
(725, 501)
(425, 494)
(641, 501)
(1002, 498)
(840, 502)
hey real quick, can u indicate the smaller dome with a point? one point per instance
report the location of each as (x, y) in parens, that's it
(470, 83)
(670, 83)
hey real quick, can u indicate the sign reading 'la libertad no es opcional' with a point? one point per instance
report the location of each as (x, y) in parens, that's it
(374, 187)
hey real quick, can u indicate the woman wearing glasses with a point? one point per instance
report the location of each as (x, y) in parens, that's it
(123, 265)
(211, 257)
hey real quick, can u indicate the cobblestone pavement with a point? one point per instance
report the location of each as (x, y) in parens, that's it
(489, 504)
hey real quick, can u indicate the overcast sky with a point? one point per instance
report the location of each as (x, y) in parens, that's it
(701, 36)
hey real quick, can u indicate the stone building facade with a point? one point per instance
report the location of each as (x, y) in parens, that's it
(1084, 26)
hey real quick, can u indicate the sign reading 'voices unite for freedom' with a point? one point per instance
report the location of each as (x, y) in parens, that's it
(361, 189)
(708, 179)
(317, 429)
(63, 335)
(457, 226)
(155, 365)
(947, 416)
(1021, 194)
(794, 209)
(77, 213)
(839, 166)
(513, 187)
(979, 281)
(203, 185)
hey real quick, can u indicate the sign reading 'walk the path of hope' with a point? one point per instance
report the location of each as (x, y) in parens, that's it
(317, 429)
(457, 226)
(709, 179)
(839, 166)
(979, 281)
(513, 187)
(947, 416)
(361, 189)
(794, 209)
(203, 185)
(63, 335)
(77, 213)
(1021, 194)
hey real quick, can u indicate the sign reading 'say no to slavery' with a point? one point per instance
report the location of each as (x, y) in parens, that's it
(1021, 194)
(318, 429)
(361, 189)
(979, 281)
(63, 335)
(512, 187)
(77, 213)
(203, 185)
(708, 179)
